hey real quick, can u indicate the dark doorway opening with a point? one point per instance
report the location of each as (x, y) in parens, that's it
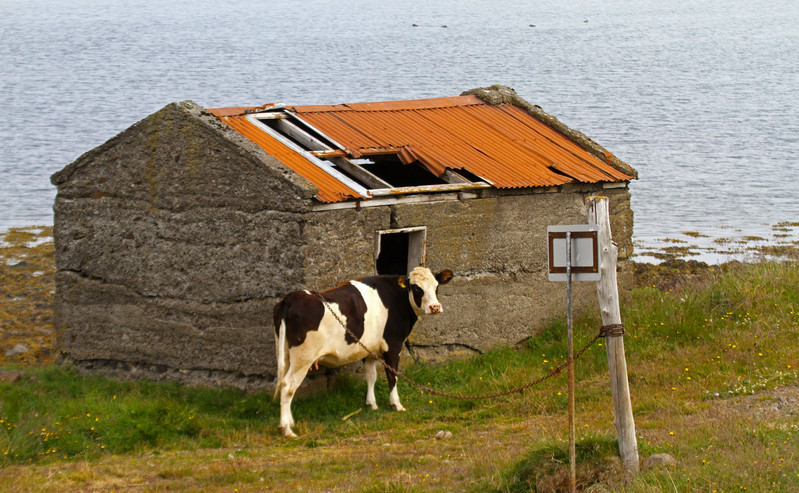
(397, 252)
(393, 257)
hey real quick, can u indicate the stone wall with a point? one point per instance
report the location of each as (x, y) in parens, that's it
(495, 245)
(173, 242)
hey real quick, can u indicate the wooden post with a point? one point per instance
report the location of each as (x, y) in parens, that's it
(608, 292)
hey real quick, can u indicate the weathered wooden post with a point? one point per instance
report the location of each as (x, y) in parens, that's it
(608, 292)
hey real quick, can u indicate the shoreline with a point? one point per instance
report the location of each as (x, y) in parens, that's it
(721, 245)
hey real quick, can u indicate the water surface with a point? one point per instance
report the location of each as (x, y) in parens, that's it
(698, 96)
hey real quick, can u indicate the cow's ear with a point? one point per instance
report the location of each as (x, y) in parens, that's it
(444, 276)
(403, 282)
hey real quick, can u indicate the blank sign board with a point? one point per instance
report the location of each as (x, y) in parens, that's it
(584, 252)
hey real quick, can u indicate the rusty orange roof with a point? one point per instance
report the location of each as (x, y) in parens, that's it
(330, 189)
(502, 144)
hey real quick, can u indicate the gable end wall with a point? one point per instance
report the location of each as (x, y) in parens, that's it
(173, 241)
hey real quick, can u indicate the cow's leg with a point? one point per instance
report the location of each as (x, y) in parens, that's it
(370, 374)
(391, 357)
(291, 382)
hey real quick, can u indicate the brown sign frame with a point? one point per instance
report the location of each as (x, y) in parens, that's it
(586, 269)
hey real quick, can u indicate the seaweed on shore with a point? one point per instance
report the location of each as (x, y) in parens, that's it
(27, 287)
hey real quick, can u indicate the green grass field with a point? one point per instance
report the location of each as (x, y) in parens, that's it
(713, 376)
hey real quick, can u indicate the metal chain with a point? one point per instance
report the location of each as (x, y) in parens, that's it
(612, 330)
(555, 372)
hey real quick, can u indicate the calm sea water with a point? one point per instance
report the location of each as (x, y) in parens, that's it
(700, 96)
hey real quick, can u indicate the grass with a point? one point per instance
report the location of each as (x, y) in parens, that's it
(61, 415)
(712, 362)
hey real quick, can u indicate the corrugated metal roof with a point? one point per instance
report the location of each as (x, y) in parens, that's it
(330, 189)
(502, 144)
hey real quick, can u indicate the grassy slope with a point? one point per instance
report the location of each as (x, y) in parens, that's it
(713, 374)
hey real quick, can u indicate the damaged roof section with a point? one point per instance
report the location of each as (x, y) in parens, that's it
(483, 138)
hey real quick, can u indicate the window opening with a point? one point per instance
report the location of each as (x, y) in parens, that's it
(399, 251)
(296, 133)
(306, 144)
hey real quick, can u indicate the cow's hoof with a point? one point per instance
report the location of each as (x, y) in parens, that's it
(372, 406)
(287, 432)
(399, 407)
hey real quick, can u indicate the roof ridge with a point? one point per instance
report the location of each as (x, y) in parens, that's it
(398, 105)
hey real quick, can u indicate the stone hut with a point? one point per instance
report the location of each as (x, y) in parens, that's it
(175, 238)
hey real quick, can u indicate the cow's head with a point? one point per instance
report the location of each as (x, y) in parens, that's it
(423, 287)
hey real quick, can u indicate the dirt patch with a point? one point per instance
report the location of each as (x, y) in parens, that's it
(766, 405)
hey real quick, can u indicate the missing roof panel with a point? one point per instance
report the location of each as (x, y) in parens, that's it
(380, 168)
(294, 131)
(390, 169)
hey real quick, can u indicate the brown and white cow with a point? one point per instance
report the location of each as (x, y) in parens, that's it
(379, 310)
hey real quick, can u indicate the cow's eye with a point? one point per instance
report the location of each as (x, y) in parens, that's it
(418, 294)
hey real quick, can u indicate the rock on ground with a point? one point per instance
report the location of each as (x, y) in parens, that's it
(658, 460)
(16, 350)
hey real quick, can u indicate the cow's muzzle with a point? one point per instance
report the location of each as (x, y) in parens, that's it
(435, 308)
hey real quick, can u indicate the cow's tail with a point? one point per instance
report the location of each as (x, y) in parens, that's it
(281, 357)
(281, 347)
